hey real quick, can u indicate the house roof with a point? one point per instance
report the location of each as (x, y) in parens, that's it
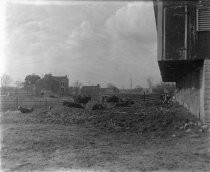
(89, 87)
(60, 78)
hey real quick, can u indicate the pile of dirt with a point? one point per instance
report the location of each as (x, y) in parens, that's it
(150, 118)
(153, 119)
(62, 115)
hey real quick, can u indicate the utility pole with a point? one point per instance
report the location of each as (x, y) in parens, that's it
(131, 82)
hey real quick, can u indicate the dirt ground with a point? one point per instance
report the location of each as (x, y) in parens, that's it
(28, 145)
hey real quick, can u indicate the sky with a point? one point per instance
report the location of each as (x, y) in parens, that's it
(103, 42)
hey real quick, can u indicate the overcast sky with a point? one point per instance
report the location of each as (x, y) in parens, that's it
(97, 42)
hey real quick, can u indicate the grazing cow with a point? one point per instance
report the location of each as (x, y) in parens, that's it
(25, 110)
(128, 100)
(124, 104)
(113, 99)
(97, 107)
(72, 104)
(119, 101)
(82, 99)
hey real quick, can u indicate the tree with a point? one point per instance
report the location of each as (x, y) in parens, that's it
(18, 84)
(30, 80)
(111, 85)
(5, 82)
(138, 88)
(163, 87)
(77, 85)
(47, 83)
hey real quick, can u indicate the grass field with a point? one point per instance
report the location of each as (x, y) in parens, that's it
(31, 145)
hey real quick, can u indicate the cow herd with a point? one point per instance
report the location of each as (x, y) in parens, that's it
(81, 101)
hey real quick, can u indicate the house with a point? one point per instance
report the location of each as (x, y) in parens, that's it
(50, 84)
(183, 39)
(63, 84)
(93, 91)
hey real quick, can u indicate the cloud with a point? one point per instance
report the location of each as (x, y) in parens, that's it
(108, 42)
(135, 21)
(79, 34)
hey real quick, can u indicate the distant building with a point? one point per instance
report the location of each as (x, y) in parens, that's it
(111, 90)
(58, 85)
(90, 90)
(64, 84)
(136, 91)
(93, 91)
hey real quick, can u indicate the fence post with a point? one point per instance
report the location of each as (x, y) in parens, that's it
(45, 101)
(16, 101)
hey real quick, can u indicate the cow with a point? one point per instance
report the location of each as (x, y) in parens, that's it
(113, 99)
(118, 101)
(82, 99)
(72, 104)
(125, 102)
(97, 107)
(25, 110)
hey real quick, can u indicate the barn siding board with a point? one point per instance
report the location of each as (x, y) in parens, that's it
(207, 90)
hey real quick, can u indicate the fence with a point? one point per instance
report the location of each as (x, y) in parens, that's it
(12, 104)
(145, 98)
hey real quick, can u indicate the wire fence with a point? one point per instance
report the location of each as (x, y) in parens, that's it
(143, 98)
(12, 104)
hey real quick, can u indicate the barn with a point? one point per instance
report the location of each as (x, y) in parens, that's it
(183, 44)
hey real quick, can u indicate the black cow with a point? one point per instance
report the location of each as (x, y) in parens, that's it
(128, 100)
(25, 110)
(125, 102)
(97, 107)
(113, 99)
(82, 99)
(72, 104)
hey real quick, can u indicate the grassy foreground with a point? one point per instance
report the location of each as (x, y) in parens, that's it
(124, 139)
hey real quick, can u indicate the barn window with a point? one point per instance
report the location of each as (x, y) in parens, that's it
(203, 19)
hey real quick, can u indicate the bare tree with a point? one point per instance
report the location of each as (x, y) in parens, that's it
(18, 84)
(77, 85)
(5, 82)
(138, 88)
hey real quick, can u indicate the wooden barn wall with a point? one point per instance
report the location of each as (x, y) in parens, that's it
(193, 92)
(207, 90)
(189, 92)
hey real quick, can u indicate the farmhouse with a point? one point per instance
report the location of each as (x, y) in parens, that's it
(183, 36)
(50, 85)
(63, 84)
